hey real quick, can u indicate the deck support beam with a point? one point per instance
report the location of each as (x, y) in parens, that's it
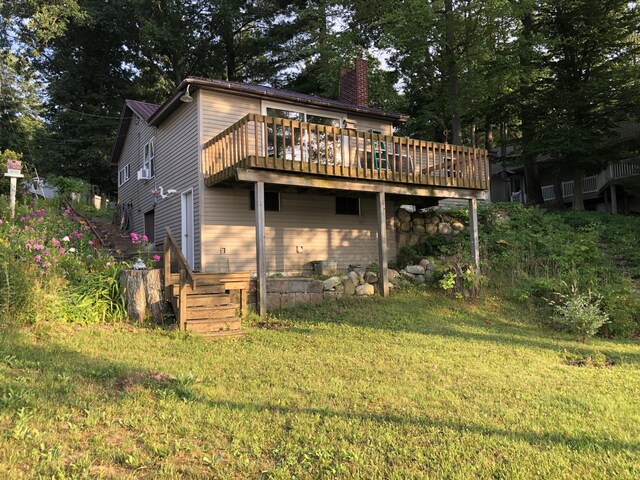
(473, 230)
(383, 262)
(614, 199)
(261, 262)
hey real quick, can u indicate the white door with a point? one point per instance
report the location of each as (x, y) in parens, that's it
(187, 226)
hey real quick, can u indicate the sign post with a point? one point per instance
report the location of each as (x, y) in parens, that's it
(14, 168)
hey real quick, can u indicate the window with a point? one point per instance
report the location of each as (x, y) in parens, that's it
(300, 144)
(123, 175)
(149, 157)
(271, 201)
(347, 206)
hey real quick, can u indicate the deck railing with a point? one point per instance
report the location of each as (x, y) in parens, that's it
(259, 141)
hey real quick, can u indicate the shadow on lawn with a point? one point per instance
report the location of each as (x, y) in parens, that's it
(535, 439)
(57, 370)
(417, 315)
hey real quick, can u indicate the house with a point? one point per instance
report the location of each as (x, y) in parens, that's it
(613, 189)
(269, 181)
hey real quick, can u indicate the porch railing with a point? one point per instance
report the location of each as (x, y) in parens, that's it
(259, 141)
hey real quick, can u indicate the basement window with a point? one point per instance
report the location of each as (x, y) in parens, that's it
(347, 206)
(271, 201)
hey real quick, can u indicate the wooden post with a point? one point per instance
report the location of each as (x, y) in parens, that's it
(473, 227)
(614, 199)
(182, 299)
(167, 267)
(382, 245)
(260, 249)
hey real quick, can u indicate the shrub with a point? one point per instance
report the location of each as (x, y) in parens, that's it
(580, 313)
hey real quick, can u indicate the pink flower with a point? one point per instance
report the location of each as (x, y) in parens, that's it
(67, 211)
(55, 242)
(156, 258)
(1, 222)
(135, 238)
(90, 242)
(61, 250)
(39, 219)
(38, 258)
(79, 235)
(46, 265)
(86, 227)
(144, 238)
(46, 253)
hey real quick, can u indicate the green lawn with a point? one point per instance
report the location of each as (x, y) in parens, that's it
(415, 386)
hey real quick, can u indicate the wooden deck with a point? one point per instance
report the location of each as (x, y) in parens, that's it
(288, 146)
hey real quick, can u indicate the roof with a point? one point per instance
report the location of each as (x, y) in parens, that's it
(262, 91)
(143, 110)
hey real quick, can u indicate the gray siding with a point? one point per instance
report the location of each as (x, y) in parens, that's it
(136, 192)
(304, 220)
(177, 167)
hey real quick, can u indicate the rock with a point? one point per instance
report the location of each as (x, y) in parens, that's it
(403, 215)
(298, 286)
(391, 273)
(457, 226)
(353, 276)
(419, 228)
(418, 221)
(329, 295)
(415, 269)
(360, 276)
(340, 289)
(370, 277)
(407, 275)
(396, 222)
(435, 220)
(413, 240)
(419, 279)
(315, 297)
(365, 290)
(403, 239)
(444, 229)
(330, 283)
(287, 300)
(430, 267)
(424, 263)
(349, 287)
(428, 275)
(277, 285)
(315, 287)
(430, 228)
(405, 227)
(273, 301)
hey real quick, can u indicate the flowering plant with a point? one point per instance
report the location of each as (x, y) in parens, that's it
(144, 250)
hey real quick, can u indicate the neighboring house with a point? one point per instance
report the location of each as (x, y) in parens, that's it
(614, 189)
(332, 172)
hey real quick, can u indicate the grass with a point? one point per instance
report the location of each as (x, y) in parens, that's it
(414, 386)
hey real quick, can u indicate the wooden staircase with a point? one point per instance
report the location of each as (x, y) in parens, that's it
(209, 304)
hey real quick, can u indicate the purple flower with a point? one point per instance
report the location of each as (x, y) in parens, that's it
(61, 250)
(38, 258)
(46, 253)
(67, 211)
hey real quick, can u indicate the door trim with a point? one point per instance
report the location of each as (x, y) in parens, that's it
(188, 247)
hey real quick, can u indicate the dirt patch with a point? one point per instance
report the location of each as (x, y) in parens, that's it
(128, 383)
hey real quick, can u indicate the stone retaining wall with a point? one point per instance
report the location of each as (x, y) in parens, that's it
(417, 227)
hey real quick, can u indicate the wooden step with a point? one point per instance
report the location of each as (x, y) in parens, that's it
(208, 300)
(218, 325)
(200, 289)
(213, 313)
(222, 334)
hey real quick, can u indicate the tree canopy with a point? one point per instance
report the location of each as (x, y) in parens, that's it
(547, 77)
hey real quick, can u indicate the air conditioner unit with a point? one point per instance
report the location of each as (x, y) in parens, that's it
(144, 174)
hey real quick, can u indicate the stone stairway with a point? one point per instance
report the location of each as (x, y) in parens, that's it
(213, 307)
(117, 242)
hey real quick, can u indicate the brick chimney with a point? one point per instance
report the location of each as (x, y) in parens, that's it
(354, 84)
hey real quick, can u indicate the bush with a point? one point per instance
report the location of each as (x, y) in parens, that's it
(580, 313)
(49, 270)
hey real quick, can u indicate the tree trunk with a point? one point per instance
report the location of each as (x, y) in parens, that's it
(142, 291)
(532, 183)
(578, 190)
(452, 73)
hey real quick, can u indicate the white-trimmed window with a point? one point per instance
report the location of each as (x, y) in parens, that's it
(149, 157)
(124, 174)
(297, 144)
